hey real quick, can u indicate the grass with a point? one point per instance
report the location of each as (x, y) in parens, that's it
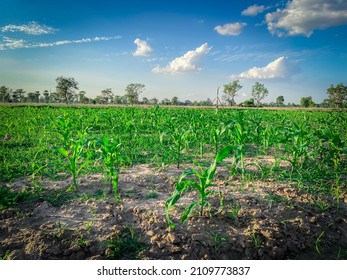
(125, 245)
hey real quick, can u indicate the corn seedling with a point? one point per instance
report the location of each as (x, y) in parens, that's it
(125, 245)
(255, 239)
(204, 179)
(218, 240)
(110, 151)
(216, 137)
(298, 148)
(318, 241)
(239, 136)
(5, 256)
(73, 153)
(81, 241)
(233, 211)
(178, 139)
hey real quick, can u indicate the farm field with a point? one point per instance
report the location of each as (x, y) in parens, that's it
(172, 183)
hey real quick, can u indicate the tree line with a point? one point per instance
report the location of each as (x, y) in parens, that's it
(67, 91)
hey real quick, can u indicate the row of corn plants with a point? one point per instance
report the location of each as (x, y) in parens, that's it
(46, 141)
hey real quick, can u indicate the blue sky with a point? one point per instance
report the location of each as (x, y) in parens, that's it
(176, 48)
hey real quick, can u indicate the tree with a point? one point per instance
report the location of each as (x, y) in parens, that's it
(145, 101)
(338, 94)
(18, 95)
(66, 88)
(207, 102)
(259, 92)
(118, 99)
(306, 102)
(5, 94)
(280, 101)
(174, 101)
(230, 92)
(133, 91)
(81, 97)
(248, 103)
(153, 101)
(46, 95)
(37, 96)
(34, 96)
(166, 101)
(107, 95)
(187, 102)
(31, 97)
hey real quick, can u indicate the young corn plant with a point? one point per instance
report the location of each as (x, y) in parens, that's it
(216, 137)
(110, 151)
(239, 136)
(201, 183)
(74, 153)
(297, 148)
(179, 138)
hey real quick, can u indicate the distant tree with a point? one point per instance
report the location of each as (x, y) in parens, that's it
(46, 95)
(133, 91)
(327, 103)
(82, 97)
(248, 103)
(145, 101)
(306, 102)
(153, 101)
(166, 101)
(187, 102)
(230, 91)
(280, 101)
(117, 99)
(207, 102)
(37, 96)
(259, 92)
(66, 88)
(174, 101)
(5, 94)
(31, 97)
(107, 95)
(337, 95)
(54, 97)
(18, 95)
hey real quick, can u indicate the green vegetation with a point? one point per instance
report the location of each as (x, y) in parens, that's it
(125, 245)
(201, 183)
(51, 142)
(66, 92)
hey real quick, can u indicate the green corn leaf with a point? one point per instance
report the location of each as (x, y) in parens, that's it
(187, 211)
(196, 172)
(185, 174)
(211, 171)
(172, 199)
(62, 151)
(210, 192)
(223, 153)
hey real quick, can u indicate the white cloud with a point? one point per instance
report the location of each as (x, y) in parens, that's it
(278, 69)
(32, 28)
(185, 63)
(230, 28)
(302, 17)
(253, 10)
(143, 48)
(9, 43)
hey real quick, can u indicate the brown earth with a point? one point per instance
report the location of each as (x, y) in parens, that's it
(258, 220)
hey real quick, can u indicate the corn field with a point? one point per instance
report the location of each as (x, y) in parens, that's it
(304, 149)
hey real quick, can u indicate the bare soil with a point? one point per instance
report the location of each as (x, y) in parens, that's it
(258, 220)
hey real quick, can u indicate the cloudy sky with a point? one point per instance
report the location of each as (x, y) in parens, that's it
(176, 48)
